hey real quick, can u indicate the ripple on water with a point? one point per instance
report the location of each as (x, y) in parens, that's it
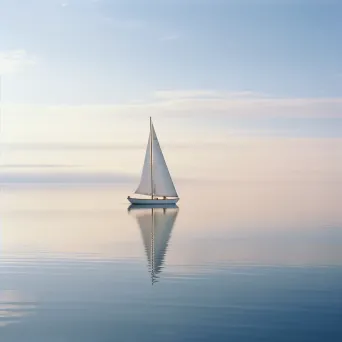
(14, 306)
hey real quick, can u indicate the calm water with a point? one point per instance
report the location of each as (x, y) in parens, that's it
(234, 262)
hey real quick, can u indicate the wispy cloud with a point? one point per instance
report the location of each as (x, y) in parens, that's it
(12, 147)
(205, 103)
(184, 94)
(206, 94)
(15, 60)
(64, 178)
(170, 37)
(245, 103)
(35, 166)
(196, 103)
(125, 24)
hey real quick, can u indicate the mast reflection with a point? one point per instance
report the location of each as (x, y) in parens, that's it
(156, 223)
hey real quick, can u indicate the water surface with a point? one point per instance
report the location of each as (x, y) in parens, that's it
(236, 261)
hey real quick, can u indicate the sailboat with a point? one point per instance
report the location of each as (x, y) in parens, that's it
(155, 179)
(156, 224)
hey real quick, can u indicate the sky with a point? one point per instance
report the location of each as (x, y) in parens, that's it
(93, 71)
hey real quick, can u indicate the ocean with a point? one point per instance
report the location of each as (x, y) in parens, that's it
(234, 261)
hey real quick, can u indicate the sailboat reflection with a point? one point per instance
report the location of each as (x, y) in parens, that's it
(156, 224)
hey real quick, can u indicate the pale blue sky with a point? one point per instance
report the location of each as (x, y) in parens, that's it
(107, 52)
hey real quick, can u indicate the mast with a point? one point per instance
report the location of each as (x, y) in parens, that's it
(151, 159)
(0, 113)
(152, 248)
(0, 103)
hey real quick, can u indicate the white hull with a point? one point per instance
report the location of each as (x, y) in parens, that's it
(149, 201)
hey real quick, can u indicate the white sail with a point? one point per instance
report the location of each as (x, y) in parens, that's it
(144, 187)
(160, 175)
(162, 181)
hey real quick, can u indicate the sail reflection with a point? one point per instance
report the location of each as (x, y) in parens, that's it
(156, 223)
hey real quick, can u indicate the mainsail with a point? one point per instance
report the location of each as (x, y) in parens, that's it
(155, 177)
